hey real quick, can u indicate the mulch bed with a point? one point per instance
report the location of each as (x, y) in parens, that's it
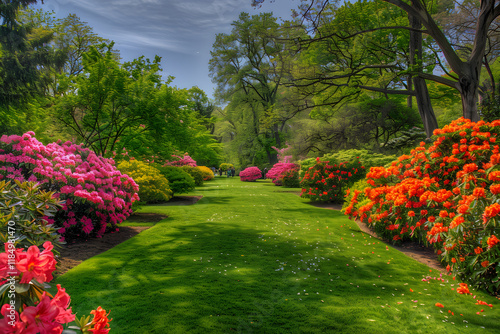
(73, 254)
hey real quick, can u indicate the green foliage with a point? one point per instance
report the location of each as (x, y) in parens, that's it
(195, 173)
(290, 178)
(246, 66)
(25, 214)
(358, 190)
(406, 140)
(490, 107)
(368, 123)
(368, 159)
(153, 186)
(179, 180)
(225, 166)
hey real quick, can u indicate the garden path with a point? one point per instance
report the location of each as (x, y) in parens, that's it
(73, 255)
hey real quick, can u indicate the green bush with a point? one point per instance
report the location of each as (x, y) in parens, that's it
(153, 186)
(225, 166)
(195, 173)
(178, 179)
(25, 214)
(290, 178)
(368, 159)
(358, 190)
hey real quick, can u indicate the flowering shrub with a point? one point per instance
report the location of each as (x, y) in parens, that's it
(446, 195)
(208, 174)
(97, 196)
(281, 153)
(195, 173)
(178, 161)
(290, 178)
(25, 212)
(27, 307)
(179, 180)
(327, 183)
(275, 173)
(250, 174)
(153, 186)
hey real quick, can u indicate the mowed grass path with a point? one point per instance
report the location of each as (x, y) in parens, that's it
(256, 258)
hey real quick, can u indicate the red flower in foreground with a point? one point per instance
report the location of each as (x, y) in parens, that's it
(7, 328)
(37, 265)
(439, 305)
(41, 317)
(100, 321)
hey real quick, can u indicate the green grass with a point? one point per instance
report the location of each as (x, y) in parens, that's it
(256, 258)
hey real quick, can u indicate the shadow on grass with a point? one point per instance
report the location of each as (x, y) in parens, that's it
(220, 278)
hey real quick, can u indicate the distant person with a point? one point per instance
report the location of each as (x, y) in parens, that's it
(233, 171)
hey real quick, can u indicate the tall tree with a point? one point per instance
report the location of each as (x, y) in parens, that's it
(246, 68)
(23, 55)
(466, 70)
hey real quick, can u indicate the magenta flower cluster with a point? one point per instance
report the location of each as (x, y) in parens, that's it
(250, 174)
(97, 195)
(178, 161)
(275, 173)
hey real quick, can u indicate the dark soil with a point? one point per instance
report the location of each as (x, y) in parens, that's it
(72, 255)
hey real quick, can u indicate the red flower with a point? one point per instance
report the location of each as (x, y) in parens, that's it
(478, 250)
(463, 289)
(100, 321)
(492, 241)
(40, 318)
(411, 214)
(7, 328)
(37, 265)
(439, 305)
(61, 301)
(485, 263)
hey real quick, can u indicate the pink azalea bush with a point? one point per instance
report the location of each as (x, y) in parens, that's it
(276, 173)
(31, 309)
(96, 195)
(281, 153)
(178, 161)
(250, 174)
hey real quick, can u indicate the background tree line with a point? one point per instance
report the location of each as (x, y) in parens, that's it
(61, 80)
(379, 74)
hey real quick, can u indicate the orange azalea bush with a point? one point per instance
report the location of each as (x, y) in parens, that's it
(446, 195)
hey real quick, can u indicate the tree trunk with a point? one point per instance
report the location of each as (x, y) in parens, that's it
(468, 86)
(421, 92)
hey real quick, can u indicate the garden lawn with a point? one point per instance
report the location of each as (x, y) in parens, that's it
(256, 258)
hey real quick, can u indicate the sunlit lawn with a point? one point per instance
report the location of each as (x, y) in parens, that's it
(256, 258)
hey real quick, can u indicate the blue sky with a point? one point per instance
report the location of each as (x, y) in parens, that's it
(180, 31)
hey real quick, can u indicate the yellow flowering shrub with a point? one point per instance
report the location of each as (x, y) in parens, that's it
(208, 174)
(153, 186)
